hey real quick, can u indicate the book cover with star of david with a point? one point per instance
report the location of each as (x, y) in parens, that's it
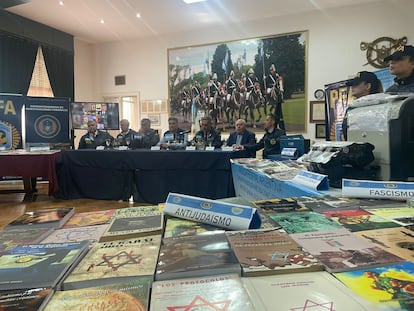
(262, 252)
(223, 292)
(116, 261)
(311, 291)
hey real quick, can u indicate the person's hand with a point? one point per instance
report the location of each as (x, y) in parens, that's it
(238, 147)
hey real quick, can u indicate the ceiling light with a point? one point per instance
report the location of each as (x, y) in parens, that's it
(61, 2)
(138, 15)
(102, 21)
(193, 1)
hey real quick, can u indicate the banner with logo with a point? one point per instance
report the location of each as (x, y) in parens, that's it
(47, 120)
(10, 121)
(394, 190)
(212, 212)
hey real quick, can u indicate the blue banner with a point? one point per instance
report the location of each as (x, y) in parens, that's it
(10, 121)
(47, 120)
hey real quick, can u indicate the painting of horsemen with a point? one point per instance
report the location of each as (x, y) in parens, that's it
(244, 79)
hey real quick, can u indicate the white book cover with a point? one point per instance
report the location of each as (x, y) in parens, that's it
(220, 292)
(316, 291)
(77, 234)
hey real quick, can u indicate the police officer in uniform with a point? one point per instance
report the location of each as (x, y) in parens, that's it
(207, 134)
(94, 137)
(270, 142)
(127, 135)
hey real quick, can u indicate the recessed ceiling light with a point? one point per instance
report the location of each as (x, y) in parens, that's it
(61, 3)
(102, 21)
(193, 1)
(138, 15)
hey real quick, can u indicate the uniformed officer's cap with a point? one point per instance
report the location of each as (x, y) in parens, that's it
(364, 76)
(400, 52)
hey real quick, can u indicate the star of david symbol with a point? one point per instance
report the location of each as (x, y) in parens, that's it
(118, 260)
(279, 256)
(200, 302)
(311, 305)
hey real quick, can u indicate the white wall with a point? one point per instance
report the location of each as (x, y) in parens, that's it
(333, 52)
(86, 83)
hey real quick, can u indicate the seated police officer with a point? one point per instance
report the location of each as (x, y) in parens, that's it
(207, 134)
(94, 137)
(175, 137)
(270, 142)
(146, 136)
(127, 135)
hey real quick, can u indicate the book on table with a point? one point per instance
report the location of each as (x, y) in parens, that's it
(39, 265)
(359, 219)
(262, 252)
(25, 299)
(135, 225)
(12, 237)
(49, 218)
(402, 215)
(133, 295)
(297, 222)
(115, 261)
(388, 287)
(175, 227)
(216, 292)
(279, 205)
(302, 291)
(76, 234)
(196, 255)
(398, 241)
(94, 218)
(341, 250)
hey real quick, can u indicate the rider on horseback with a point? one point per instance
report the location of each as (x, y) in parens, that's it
(274, 93)
(214, 89)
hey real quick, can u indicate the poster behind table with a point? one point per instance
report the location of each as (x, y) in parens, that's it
(338, 97)
(10, 121)
(386, 78)
(47, 120)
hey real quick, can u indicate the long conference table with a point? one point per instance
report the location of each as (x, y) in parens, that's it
(148, 175)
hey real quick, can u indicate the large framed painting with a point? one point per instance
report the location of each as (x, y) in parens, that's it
(244, 79)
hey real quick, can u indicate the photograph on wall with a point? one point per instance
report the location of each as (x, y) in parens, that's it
(244, 79)
(47, 120)
(10, 121)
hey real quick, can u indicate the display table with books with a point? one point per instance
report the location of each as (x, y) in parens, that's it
(148, 174)
(256, 179)
(152, 265)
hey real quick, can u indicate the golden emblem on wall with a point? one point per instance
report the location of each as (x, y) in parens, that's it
(380, 48)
